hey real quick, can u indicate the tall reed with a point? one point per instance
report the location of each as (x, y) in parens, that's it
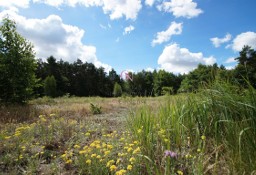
(213, 131)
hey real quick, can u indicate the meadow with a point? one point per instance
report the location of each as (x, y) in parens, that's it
(210, 132)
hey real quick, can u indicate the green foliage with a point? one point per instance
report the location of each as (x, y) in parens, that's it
(213, 131)
(166, 79)
(117, 92)
(50, 86)
(17, 65)
(95, 109)
(246, 68)
(201, 76)
(167, 90)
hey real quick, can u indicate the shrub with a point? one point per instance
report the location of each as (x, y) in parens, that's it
(50, 86)
(117, 90)
(95, 109)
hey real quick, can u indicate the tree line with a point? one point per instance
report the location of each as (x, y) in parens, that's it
(23, 77)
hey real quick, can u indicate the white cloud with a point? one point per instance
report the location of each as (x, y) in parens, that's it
(181, 60)
(128, 30)
(55, 3)
(115, 8)
(247, 38)
(230, 60)
(149, 2)
(150, 69)
(105, 27)
(14, 3)
(181, 8)
(218, 41)
(230, 67)
(164, 36)
(51, 36)
(119, 8)
(72, 3)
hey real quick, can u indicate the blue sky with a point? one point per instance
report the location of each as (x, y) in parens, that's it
(175, 35)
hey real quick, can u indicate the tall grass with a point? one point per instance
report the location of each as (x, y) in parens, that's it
(212, 132)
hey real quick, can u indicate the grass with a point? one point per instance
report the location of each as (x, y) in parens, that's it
(211, 132)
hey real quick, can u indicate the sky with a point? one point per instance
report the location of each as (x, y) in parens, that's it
(136, 35)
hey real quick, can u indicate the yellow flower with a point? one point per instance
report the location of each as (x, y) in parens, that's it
(88, 161)
(129, 149)
(76, 146)
(52, 115)
(109, 146)
(137, 150)
(109, 163)
(139, 131)
(136, 142)
(21, 156)
(92, 144)
(93, 155)
(104, 145)
(98, 157)
(83, 152)
(132, 160)
(7, 137)
(121, 172)
(129, 167)
(17, 133)
(69, 161)
(42, 118)
(113, 168)
(203, 137)
(118, 161)
(87, 134)
(161, 132)
(199, 150)
(121, 139)
(180, 172)
(166, 140)
(106, 153)
(63, 155)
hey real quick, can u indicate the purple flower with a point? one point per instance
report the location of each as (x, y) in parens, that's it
(170, 153)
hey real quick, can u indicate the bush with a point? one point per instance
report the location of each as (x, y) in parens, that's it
(17, 65)
(50, 86)
(117, 90)
(95, 109)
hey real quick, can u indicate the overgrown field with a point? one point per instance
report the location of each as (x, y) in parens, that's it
(211, 132)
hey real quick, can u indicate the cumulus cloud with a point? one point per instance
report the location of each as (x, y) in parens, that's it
(218, 41)
(72, 3)
(247, 38)
(119, 8)
(181, 60)
(115, 8)
(149, 2)
(230, 60)
(51, 36)
(14, 4)
(17, 3)
(128, 30)
(150, 69)
(164, 36)
(181, 8)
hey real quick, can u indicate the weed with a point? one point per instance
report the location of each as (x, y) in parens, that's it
(95, 109)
